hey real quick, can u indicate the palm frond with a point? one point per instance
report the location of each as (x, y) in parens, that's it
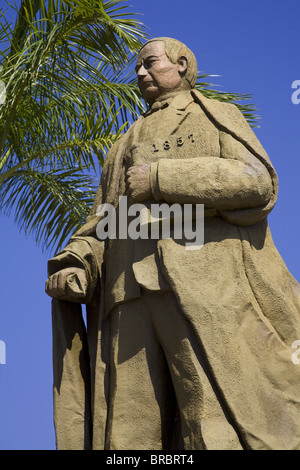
(49, 206)
(209, 91)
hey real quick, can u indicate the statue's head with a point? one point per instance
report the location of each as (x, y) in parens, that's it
(164, 65)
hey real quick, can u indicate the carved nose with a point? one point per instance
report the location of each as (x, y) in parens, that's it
(142, 72)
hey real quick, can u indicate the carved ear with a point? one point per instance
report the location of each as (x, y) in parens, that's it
(183, 65)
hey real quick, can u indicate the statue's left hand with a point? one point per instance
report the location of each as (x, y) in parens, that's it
(138, 188)
(67, 283)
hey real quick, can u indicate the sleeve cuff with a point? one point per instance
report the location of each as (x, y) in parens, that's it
(154, 183)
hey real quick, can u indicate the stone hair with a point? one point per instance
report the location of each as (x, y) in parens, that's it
(175, 49)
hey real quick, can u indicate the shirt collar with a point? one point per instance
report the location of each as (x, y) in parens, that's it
(165, 100)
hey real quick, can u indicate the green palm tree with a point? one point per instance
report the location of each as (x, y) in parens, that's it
(63, 67)
(70, 93)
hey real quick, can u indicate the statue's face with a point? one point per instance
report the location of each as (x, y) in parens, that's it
(156, 73)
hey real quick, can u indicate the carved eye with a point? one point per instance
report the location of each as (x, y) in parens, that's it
(149, 63)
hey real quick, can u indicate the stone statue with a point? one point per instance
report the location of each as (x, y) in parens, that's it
(182, 348)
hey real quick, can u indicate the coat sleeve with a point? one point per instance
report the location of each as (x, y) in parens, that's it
(237, 180)
(85, 253)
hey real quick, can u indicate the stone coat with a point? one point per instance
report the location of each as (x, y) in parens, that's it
(236, 291)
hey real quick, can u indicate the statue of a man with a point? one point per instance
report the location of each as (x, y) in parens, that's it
(184, 348)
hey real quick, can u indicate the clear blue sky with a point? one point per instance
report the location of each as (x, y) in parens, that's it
(254, 46)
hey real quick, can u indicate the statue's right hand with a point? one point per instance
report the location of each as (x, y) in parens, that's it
(68, 282)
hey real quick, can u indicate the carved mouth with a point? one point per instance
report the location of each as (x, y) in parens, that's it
(146, 84)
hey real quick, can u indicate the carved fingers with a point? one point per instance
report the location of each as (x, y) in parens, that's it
(138, 187)
(68, 282)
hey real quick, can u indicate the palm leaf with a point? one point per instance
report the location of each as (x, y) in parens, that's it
(208, 90)
(50, 206)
